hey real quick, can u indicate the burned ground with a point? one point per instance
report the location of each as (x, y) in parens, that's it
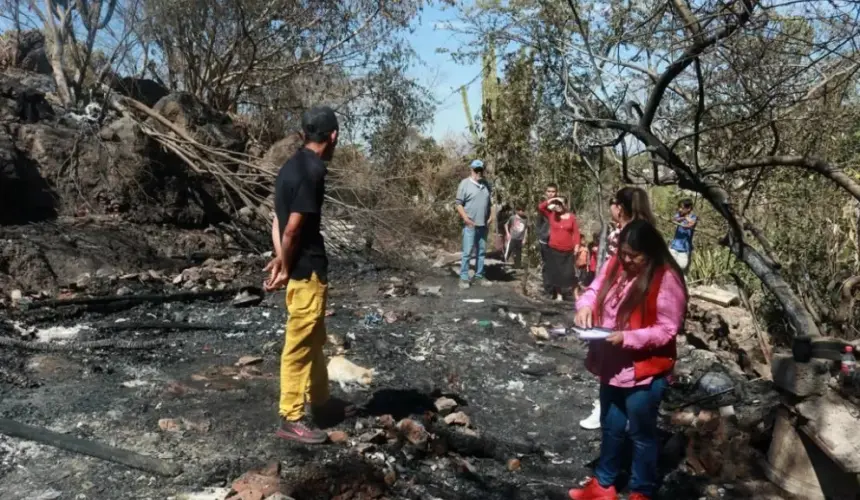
(188, 403)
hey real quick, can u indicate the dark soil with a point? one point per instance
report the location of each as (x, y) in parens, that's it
(524, 400)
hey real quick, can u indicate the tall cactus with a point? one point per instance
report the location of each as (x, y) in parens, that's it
(490, 88)
(468, 111)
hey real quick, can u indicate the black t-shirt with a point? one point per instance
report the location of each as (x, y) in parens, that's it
(300, 188)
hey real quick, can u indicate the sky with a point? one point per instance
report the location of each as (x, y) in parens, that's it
(437, 71)
(441, 75)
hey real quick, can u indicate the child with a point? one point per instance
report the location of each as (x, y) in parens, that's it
(516, 231)
(589, 269)
(593, 249)
(581, 261)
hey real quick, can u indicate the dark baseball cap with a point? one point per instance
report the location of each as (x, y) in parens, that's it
(319, 120)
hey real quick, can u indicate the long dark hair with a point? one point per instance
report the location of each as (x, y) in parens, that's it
(642, 237)
(635, 205)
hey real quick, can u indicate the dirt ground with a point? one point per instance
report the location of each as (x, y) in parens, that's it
(524, 399)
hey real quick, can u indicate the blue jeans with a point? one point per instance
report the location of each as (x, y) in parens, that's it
(638, 406)
(474, 238)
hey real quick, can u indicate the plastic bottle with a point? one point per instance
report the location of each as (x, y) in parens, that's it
(849, 364)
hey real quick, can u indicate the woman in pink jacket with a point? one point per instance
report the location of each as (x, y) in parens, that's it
(641, 297)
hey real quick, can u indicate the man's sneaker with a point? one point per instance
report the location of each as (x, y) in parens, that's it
(593, 491)
(592, 422)
(301, 431)
(465, 285)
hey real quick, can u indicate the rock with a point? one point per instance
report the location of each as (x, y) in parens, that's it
(374, 436)
(445, 405)
(279, 496)
(539, 333)
(458, 418)
(280, 152)
(390, 478)
(16, 296)
(26, 51)
(83, 281)
(683, 418)
(386, 421)
(124, 290)
(715, 382)
(147, 91)
(413, 431)
(256, 486)
(338, 436)
(390, 317)
(343, 371)
(514, 465)
(202, 426)
(249, 360)
(169, 425)
(203, 123)
(712, 491)
(362, 448)
(707, 420)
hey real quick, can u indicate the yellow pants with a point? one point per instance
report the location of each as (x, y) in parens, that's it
(303, 364)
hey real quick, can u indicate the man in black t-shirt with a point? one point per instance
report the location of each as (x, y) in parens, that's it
(301, 264)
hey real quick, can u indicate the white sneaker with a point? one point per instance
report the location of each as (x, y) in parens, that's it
(593, 421)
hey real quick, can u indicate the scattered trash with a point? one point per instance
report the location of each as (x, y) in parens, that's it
(343, 371)
(247, 297)
(58, 333)
(390, 317)
(207, 494)
(371, 319)
(430, 291)
(516, 385)
(514, 464)
(473, 301)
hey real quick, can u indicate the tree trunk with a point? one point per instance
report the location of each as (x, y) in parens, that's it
(795, 310)
(60, 74)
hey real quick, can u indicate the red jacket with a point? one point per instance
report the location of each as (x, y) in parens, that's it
(563, 233)
(647, 363)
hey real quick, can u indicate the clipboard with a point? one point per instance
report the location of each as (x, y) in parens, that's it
(591, 333)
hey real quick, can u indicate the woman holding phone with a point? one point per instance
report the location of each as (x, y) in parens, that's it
(640, 296)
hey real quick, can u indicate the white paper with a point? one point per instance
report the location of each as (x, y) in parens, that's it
(592, 333)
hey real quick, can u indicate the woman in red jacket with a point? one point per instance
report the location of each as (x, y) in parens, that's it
(641, 297)
(563, 244)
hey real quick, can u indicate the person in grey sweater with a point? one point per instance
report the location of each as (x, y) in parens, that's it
(473, 204)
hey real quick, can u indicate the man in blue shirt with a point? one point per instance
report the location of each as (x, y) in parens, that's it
(682, 244)
(474, 206)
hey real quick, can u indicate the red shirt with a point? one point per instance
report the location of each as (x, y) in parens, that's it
(563, 232)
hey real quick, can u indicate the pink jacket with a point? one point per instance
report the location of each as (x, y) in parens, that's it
(671, 307)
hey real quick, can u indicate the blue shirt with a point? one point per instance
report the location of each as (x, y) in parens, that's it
(683, 240)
